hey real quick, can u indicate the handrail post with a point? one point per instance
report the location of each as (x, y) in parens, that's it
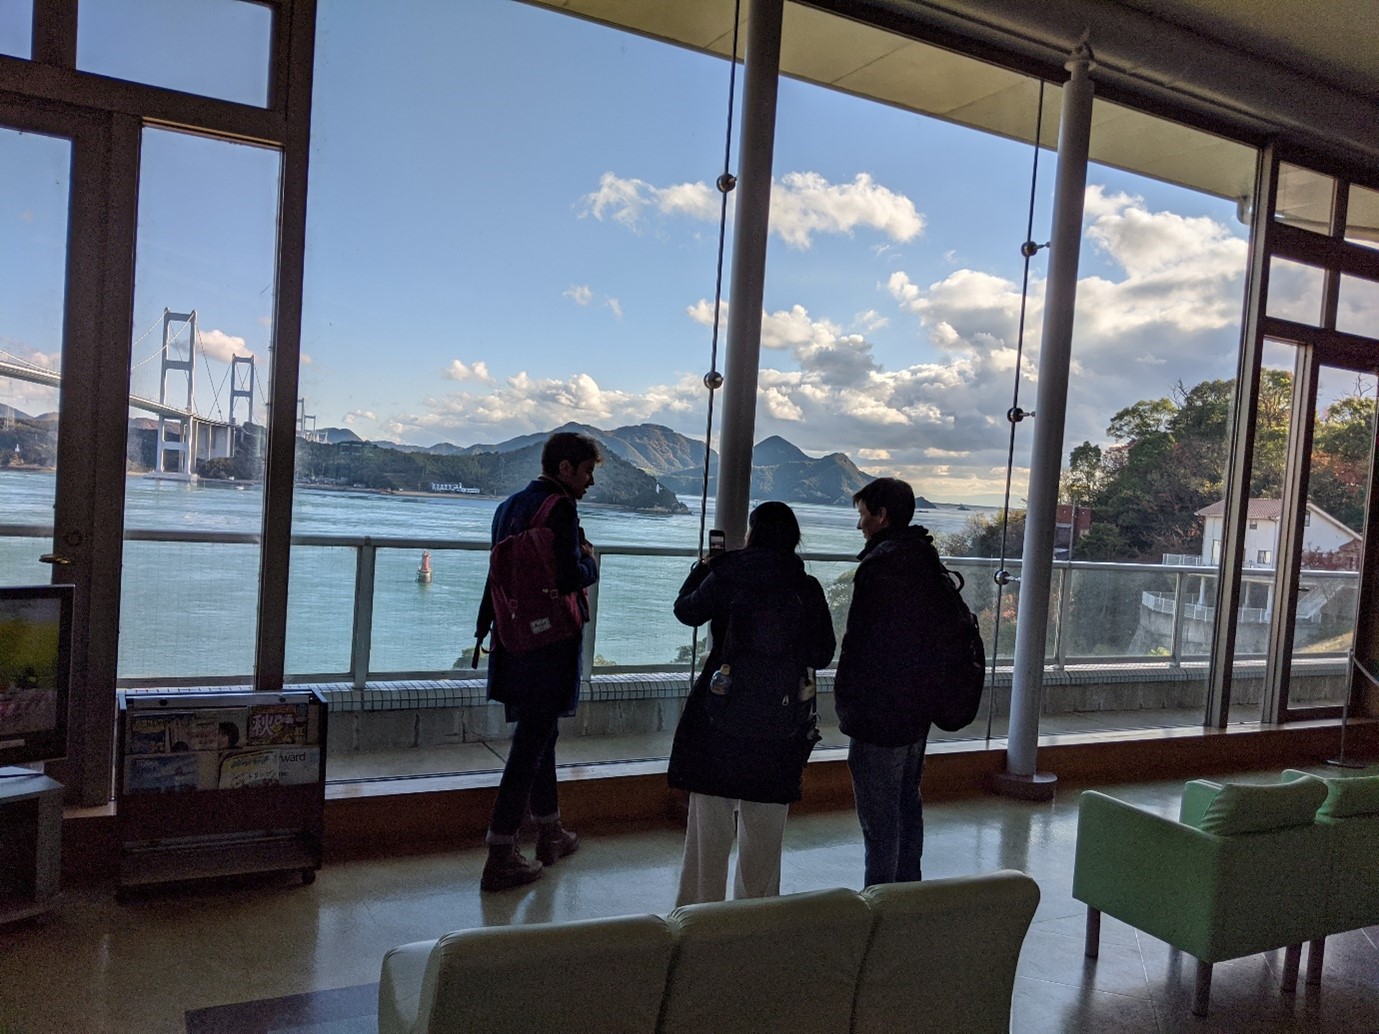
(586, 674)
(361, 640)
(1175, 646)
(1060, 637)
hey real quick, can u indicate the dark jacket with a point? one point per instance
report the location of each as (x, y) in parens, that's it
(704, 759)
(889, 628)
(546, 680)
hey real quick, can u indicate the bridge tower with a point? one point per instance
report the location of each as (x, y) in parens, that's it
(241, 387)
(176, 434)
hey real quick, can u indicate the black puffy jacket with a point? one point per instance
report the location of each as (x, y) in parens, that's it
(891, 624)
(705, 759)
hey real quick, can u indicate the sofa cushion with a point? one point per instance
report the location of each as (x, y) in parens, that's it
(787, 963)
(1347, 797)
(1257, 808)
(943, 954)
(1351, 796)
(583, 975)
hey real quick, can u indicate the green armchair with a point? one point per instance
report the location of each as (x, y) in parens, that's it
(1350, 815)
(1242, 870)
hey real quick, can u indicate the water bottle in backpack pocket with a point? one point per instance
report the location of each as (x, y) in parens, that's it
(763, 688)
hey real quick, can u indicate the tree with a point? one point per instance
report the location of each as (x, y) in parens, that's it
(981, 537)
(1083, 478)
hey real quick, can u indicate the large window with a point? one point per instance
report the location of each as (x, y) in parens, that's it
(488, 261)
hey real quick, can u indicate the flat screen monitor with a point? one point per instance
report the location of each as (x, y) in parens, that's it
(35, 672)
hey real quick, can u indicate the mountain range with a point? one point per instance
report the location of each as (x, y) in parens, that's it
(780, 469)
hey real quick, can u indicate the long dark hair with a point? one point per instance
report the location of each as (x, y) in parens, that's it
(772, 525)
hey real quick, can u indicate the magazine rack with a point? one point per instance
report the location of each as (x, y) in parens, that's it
(216, 784)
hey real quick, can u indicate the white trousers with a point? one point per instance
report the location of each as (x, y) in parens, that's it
(709, 834)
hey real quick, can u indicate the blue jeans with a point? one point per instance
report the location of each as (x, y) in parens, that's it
(885, 786)
(528, 777)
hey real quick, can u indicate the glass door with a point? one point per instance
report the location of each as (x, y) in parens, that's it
(35, 181)
(63, 286)
(1336, 411)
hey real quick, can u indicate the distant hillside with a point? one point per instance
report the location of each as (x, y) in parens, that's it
(780, 469)
(390, 466)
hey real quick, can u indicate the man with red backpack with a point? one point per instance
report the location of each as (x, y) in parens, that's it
(537, 680)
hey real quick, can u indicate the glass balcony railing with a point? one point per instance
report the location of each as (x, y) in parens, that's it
(360, 610)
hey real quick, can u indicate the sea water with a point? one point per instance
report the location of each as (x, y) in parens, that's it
(188, 609)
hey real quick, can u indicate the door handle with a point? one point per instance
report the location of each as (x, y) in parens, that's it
(56, 559)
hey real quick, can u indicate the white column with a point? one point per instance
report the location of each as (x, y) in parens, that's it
(1055, 353)
(762, 61)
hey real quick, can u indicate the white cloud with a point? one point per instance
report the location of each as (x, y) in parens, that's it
(305, 359)
(458, 371)
(871, 321)
(218, 345)
(357, 416)
(802, 204)
(580, 294)
(1159, 300)
(626, 200)
(614, 306)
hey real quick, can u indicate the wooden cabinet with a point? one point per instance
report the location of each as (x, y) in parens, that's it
(215, 784)
(30, 842)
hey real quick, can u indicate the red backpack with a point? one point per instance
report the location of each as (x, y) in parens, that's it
(529, 611)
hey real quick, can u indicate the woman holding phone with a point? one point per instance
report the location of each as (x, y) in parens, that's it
(748, 725)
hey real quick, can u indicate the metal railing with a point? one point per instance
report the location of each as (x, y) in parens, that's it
(1080, 633)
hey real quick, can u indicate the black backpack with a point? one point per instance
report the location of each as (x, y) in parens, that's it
(955, 670)
(769, 695)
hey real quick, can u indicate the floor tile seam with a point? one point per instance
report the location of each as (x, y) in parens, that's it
(1084, 988)
(1081, 942)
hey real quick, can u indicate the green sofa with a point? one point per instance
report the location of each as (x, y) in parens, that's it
(926, 958)
(1350, 814)
(1244, 869)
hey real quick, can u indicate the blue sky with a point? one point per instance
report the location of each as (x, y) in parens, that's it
(512, 224)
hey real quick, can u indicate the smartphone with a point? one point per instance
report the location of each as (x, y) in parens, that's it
(718, 541)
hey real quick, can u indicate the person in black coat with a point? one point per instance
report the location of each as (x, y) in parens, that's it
(742, 782)
(540, 686)
(879, 686)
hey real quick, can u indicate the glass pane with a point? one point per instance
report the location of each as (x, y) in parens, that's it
(320, 626)
(1358, 311)
(198, 382)
(1362, 217)
(216, 48)
(425, 623)
(34, 183)
(1261, 530)
(1342, 448)
(16, 28)
(1305, 198)
(1295, 291)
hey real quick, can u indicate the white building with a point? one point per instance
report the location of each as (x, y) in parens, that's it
(1322, 533)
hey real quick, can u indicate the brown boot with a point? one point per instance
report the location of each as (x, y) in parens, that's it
(507, 868)
(554, 842)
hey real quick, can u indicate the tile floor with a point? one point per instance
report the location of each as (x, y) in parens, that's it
(93, 966)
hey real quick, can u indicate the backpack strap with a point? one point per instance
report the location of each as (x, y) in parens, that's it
(543, 512)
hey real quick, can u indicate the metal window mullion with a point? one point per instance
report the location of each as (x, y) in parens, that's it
(299, 22)
(54, 38)
(1245, 417)
(153, 104)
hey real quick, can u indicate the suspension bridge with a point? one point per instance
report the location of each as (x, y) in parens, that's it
(185, 437)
